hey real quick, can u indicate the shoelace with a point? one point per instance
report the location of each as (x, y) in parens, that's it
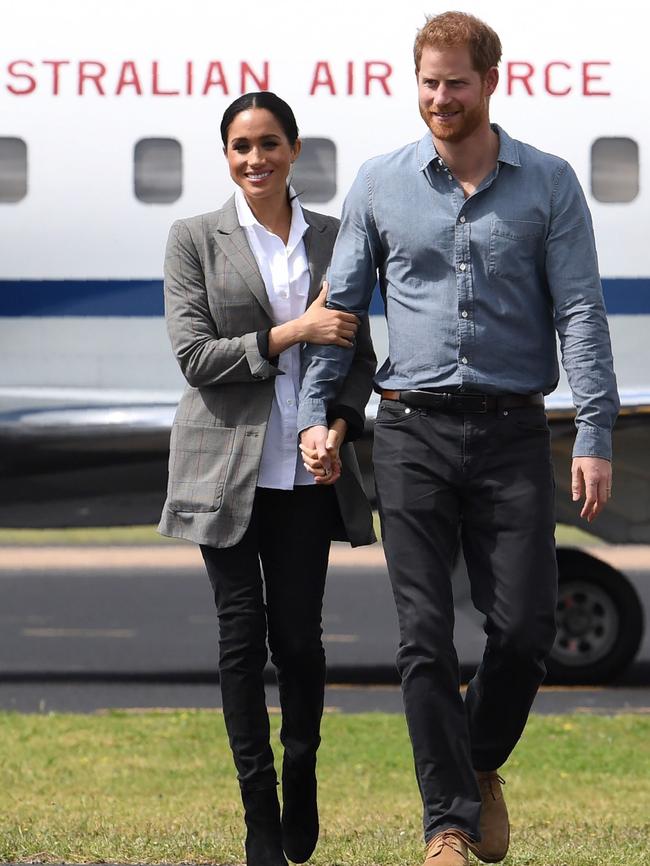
(438, 843)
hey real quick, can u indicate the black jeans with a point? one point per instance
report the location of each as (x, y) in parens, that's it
(486, 481)
(289, 533)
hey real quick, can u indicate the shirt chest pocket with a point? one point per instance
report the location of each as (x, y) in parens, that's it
(516, 247)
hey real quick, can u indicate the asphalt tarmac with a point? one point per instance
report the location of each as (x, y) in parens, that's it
(90, 629)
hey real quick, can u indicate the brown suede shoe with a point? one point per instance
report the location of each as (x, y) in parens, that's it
(494, 824)
(448, 848)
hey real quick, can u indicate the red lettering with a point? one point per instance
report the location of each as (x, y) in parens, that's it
(56, 65)
(189, 77)
(260, 83)
(128, 78)
(350, 66)
(31, 81)
(155, 88)
(95, 77)
(215, 69)
(380, 76)
(547, 78)
(524, 75)
(587, 78)
(322, 78)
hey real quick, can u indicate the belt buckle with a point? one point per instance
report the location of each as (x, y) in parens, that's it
(475, 403)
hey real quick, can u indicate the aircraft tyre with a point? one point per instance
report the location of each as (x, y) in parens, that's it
(599, 619)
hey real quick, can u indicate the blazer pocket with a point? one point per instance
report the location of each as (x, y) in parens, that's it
(198, 466)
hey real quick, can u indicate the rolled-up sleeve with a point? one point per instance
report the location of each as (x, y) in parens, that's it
(580, 316)
(204, 357)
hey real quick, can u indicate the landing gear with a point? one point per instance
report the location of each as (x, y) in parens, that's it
(599, 619)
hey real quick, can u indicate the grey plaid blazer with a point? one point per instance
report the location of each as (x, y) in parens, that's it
(215, 303)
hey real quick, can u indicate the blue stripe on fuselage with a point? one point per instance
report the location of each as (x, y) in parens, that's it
(623, 296)
(81, 298)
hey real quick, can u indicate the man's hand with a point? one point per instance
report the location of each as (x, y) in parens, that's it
(320, 451)
(591, 477)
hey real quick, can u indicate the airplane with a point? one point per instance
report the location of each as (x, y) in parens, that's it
(110, 132)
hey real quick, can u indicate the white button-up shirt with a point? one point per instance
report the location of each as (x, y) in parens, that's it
(285, 271)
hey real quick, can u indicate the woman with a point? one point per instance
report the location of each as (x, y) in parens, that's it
(243, 293)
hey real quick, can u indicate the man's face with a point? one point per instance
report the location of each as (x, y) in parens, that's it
(453, 96)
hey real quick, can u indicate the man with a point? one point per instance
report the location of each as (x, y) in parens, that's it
(484, 248)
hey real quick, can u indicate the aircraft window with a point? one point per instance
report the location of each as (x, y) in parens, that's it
(13, 169)
(614, 169)
(314, 176)
(158, 170)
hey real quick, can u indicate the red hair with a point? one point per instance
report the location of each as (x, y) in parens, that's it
(452, 29)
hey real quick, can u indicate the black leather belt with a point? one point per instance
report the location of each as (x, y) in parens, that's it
(463, 402)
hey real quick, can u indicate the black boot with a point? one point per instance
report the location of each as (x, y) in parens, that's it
(263, 830)
(299, 808)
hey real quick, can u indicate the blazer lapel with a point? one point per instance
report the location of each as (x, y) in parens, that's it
(319, 252)
(231, 238)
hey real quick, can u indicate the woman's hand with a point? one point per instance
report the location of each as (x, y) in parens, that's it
(316, 325)
(320, 451)
(324, 327)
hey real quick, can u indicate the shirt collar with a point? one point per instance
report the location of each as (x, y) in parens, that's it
(508, 150)
(244, 213)
(299, 225)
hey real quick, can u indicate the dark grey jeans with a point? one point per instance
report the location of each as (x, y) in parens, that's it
(289, 534)
(486, 481)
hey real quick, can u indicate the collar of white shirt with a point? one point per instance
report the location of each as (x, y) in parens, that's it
(298, 223)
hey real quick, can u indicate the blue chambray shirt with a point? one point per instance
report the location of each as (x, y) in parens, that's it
(475, 287)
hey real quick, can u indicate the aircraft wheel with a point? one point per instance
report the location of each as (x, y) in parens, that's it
(599, 620)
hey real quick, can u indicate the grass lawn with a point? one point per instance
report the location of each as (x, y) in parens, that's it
(159, 787)
(129, 535)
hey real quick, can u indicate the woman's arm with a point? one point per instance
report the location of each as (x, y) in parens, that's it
(316, 325)
(204, 357)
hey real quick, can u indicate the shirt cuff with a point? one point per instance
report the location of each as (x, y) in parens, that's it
(593, 442)
(260, 367)
(352, 418)
(263, 346)
(311, 413)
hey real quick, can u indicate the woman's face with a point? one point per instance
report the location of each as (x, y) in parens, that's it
(259, 154)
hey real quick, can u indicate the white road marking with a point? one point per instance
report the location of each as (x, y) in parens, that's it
(79, 632)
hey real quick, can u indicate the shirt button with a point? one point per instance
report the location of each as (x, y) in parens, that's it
(464, 360)
(462, 266)
(464, 314)
(289, 402)
(462, 219)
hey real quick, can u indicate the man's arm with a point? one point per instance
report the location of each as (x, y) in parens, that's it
(581, 322)
(346, 417)
(352, 278)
